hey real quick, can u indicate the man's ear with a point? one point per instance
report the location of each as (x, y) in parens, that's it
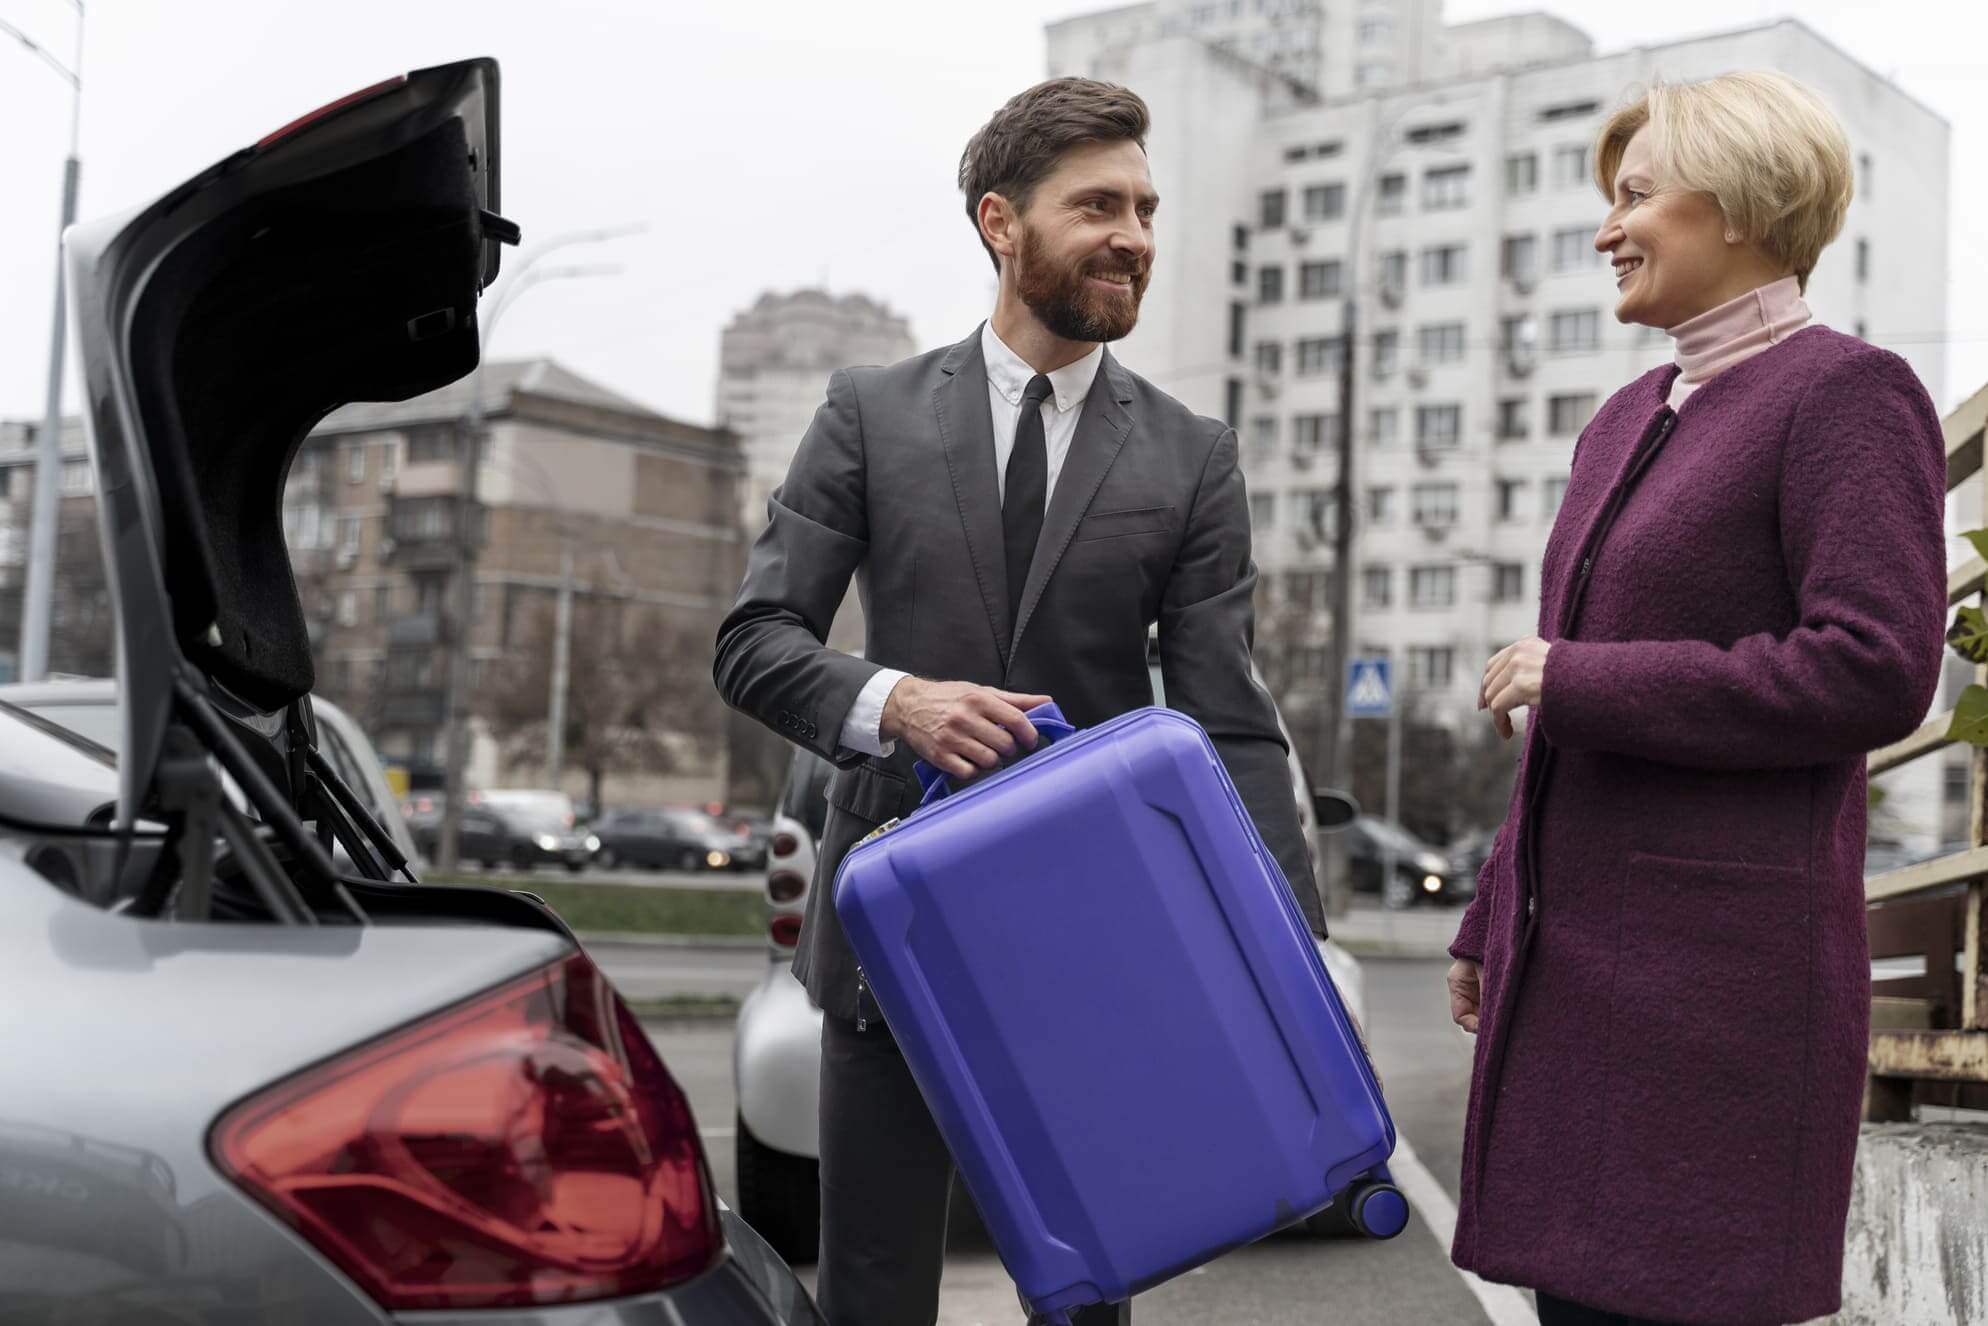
(999, 226)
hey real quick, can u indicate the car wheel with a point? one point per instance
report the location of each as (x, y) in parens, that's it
(1398, 894)
(688, 861)
(521, 858)
(606, 859)
(779, 1196)
(575, 867)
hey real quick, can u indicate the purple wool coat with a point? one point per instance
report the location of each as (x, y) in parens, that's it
(1742, 600)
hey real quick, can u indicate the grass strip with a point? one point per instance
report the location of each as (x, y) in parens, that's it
(696, 1008)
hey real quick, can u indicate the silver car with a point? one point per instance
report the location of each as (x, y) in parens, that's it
(776, 1051)
(242, 1083)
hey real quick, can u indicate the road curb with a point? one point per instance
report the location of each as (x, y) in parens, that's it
(671, 941)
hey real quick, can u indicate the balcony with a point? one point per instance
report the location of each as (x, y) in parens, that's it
(421, 531)
(423, 631)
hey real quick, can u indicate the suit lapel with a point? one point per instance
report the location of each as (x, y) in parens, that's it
(966, 428)
(1101, 430)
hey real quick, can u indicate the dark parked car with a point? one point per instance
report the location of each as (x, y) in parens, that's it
(518, 836)
(253, 1084)
(1422, 874)
(673, 838)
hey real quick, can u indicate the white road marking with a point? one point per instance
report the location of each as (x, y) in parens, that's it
(1505, 1305)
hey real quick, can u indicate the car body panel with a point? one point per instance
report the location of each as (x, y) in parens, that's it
(776, 1064)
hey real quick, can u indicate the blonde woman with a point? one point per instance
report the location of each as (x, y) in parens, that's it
(1744, 592)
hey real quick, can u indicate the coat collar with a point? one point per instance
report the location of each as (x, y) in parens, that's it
(966, 431)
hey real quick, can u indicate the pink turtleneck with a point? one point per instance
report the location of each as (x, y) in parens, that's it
(1736, 330)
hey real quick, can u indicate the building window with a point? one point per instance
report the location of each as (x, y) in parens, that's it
(1512, 419)
(1270, 209)
(1270, 285)
(1325, 202)
(1384, 425)
(1574, 248)
(348, 607)
(1311, 434)
(1860, 331)
(1445, 264)
(1435, 504)
(348, 537)
(1570, 165)
(1431, 667)
(1237, 315)
(1304, 590)
(1438, 427)
(1508, 582)
(1863, 260)
(1567, 415)
(1432, 587)
(1262, 441)
(1375, 30)
(1380, 506)
(1239, 238)
(1387, 352)
(1238, 273)
(1567, 110)
(355, 463)
(1555, 490)
(1392, 195)
(1314, 512)
(1318, 355)
(1377, 586)
(1392, 270)
(1234, 392)
(431, 443)
(1424, 135)
(1269, 358)
(76, 478)
(1573, 331)
(1864, 174)
(1446, 188)
(1521, 173)
(1439, 343)
(1262, 512)
(1505, 498)
(1320, 280)
(1518, 258)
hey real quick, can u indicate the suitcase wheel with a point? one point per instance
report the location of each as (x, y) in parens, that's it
(1378, 1209)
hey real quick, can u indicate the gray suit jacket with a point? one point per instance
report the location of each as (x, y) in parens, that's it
(895, 485)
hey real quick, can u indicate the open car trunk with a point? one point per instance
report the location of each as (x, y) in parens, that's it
(340, 259)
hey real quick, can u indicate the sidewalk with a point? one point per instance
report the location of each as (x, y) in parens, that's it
(1370, 931)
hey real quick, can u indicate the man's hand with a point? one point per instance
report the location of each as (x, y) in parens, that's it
(958, 727)
(1463, 983)
(1512, 678)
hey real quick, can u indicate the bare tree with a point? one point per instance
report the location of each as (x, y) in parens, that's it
(1453, 779)
(637, 694)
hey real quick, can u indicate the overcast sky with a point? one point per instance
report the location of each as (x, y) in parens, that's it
(764, 145)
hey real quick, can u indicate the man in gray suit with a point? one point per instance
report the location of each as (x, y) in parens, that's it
(1017, 510)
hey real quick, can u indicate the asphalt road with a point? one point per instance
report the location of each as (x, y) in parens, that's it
(1284, 1281)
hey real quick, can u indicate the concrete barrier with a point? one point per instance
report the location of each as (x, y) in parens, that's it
(1917, 1246)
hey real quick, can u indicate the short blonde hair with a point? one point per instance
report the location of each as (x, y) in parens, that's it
(1763, 145)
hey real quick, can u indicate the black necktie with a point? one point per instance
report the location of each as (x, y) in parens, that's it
(1027, 493)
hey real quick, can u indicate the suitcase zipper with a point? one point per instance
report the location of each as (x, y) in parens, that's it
(862, 1018)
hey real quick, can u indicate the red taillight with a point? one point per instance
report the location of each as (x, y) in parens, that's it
(785, 929)
(329, 107)
(525, 1148)
(785, 886)
(785, 844)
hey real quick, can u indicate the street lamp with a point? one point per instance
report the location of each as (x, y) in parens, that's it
(462, 588)
(38, 600)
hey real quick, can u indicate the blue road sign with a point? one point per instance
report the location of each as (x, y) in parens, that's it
(1369, 688)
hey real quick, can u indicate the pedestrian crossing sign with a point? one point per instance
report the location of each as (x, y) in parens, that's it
(1369, 688)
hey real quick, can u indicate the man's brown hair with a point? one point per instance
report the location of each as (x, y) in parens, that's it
(1016, 149)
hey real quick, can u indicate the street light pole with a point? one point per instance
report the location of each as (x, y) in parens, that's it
(460, 614)
(562, 645)
(38, 599)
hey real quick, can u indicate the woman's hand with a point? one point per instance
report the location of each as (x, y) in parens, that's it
(1463, 983)
(1513, 678)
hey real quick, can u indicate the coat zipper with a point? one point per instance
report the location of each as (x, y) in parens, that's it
(1655, 434)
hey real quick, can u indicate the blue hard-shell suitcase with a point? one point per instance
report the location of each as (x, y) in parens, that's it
(1115, 1011)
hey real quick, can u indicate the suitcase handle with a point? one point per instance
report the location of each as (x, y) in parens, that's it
(1050, 727)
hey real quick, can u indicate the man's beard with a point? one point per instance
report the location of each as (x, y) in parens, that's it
(1063, 301)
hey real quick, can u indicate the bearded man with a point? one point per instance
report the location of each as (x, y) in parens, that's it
(1018, 511)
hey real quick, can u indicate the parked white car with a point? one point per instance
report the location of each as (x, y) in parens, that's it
(776, 1052)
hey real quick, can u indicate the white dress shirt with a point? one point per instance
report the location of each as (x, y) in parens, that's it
(1008, 375)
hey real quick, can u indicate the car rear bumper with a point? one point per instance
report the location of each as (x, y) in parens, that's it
(750, 1287)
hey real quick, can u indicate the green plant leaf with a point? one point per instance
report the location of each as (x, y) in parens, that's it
(1968, 636)
(1970, 717)
(1979, 538)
